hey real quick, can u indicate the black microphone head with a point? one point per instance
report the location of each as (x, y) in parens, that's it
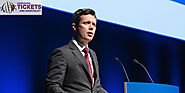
(135, 61)
(116, 59)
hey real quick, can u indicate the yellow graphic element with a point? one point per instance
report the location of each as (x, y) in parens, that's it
(9, 6)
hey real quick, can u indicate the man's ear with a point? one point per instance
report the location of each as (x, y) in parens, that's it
(74, 26)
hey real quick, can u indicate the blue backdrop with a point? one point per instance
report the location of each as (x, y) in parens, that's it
(26, 43)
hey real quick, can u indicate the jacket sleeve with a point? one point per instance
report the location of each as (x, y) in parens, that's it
(100, 89)
(56, 72)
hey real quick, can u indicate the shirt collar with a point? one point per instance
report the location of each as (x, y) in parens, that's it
(78, 44)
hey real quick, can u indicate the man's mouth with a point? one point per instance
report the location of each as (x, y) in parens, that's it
(90, 34)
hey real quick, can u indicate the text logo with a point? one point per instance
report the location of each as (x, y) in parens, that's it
(20, 7)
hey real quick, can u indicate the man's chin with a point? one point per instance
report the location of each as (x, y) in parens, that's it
(89, 39)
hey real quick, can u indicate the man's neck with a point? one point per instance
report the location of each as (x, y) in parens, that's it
(83, 42)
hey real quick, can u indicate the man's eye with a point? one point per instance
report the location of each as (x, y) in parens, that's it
(86, 22)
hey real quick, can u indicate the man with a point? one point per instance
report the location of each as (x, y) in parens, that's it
(73, 68)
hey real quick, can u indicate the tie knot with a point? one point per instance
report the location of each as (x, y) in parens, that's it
(85, 50)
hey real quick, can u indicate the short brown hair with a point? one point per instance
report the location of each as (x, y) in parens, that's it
(80, 12)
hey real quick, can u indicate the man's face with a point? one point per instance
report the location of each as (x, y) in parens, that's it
(86, 28)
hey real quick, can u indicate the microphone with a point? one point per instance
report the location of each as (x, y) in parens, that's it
(117, 60)
(137, 62)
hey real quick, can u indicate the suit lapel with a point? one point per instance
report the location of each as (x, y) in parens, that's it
(79, 55)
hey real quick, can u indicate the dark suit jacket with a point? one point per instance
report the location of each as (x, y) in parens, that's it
(68, 72)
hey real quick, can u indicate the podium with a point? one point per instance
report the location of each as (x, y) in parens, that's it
(136, 87)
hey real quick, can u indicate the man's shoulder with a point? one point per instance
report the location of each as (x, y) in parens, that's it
(63, 48)
(92, 51)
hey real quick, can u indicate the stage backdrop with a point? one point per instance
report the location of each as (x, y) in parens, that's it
(26, 43)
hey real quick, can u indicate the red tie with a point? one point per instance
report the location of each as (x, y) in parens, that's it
(88, 62)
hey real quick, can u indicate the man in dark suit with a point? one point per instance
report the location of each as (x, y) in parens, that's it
(74, 68)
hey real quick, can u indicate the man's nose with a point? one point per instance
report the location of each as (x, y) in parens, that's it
(91, 27)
